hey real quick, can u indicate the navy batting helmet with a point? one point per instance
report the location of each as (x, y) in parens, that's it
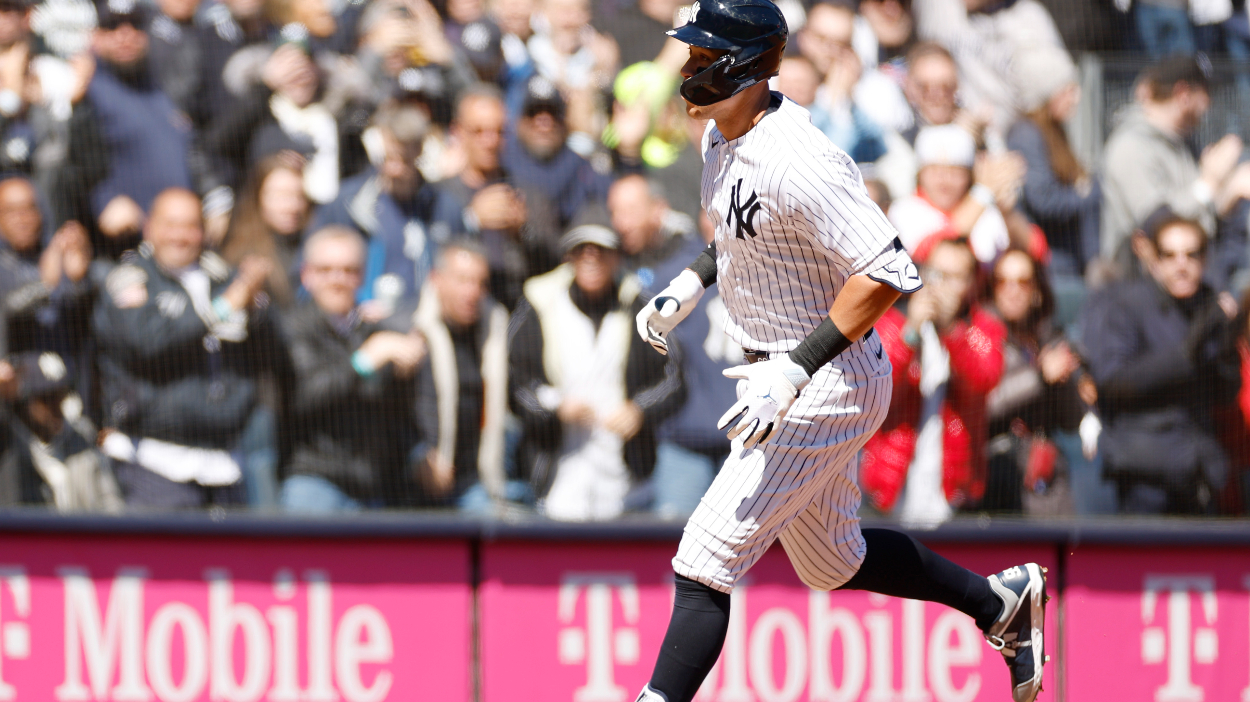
(753, 32)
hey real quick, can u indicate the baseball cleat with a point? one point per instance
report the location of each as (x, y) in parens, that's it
(1017, 633)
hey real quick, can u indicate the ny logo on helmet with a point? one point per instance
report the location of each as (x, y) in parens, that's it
(694, 12)
(743, 212)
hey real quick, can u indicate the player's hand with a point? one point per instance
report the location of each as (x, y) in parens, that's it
(771, 387)
(666, 310)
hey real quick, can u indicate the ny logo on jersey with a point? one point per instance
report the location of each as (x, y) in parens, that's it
(742, 214)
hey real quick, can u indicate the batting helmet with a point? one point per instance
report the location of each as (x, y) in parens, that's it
(753, 32)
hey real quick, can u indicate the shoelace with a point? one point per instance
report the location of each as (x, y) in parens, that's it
(998, 644)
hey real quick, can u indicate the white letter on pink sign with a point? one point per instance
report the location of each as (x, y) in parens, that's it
(285, 623)
(118, 641)
(825, 622)
(599, 645)
(194, 653)
(224, 616)
(794, 645)
(966, 651)
(14, 636)
(350, 651)
(320, 685)
(1179, 644)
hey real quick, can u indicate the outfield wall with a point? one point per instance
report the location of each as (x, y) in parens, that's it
(243, 609)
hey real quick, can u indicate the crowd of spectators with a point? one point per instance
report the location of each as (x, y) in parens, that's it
(330, 255)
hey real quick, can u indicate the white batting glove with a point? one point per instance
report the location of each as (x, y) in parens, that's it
(771, 387)
(667, 309)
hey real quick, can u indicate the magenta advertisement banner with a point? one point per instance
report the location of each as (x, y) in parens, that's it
(233, 620)
(583, 622)
(1162, 624)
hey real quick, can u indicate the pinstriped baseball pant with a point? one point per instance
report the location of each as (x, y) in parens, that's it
(800, 487)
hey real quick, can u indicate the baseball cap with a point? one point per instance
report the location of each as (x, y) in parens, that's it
(542, 95)
(41, 374)
(422, 83)
(482, 43)
(596, 234)
(111, 14)
(945, 145)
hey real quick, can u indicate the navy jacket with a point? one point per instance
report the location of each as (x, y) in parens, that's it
(1161, 366)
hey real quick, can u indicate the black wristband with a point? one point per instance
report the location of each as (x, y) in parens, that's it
(705, 265)
(820, 347)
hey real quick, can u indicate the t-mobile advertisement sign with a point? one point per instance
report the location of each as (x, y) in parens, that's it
(1168, 625)
(233, 620)
(583, 622)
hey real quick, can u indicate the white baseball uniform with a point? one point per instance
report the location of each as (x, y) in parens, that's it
(793, 223)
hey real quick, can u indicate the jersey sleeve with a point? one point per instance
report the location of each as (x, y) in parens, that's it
(830, 205)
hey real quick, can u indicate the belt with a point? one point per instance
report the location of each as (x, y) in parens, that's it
(753, 356)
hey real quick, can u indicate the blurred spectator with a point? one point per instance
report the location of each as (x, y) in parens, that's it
(1058, 195)
(180, 341)
(589, 392)
(175, 52)
(892, 25)
(269, 222)
(1163, 353)
(1147, 162)
(538, 153)
(649, 126)
(402, 218)
(513, 18)
(395, 41)
(1036, 398)
(1167, 27)
(462, 399)
(650, 231)
(512, 218)
(947, 355)
(24, 119)
(825, 40)
(682, 179)
(567, 50)
(45, 290)
(323, 31)
(639, 28)
(227, 27)
(284, 112)
(49, 458)
(931, 87)
(952, 200)
(832, 110)
(128, 140)
(691, 448)
(985, 36)
(350, 422)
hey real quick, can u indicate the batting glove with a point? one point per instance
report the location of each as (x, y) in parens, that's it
(667, 309)
(771, 387)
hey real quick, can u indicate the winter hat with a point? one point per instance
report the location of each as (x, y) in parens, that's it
(1040, 72)
(945, 145)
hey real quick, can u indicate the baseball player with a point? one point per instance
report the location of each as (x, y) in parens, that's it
(806, 265)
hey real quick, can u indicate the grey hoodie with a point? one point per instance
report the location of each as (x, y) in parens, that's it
(1144, 168)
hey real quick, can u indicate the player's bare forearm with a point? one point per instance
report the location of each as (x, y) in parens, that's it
(860, 304)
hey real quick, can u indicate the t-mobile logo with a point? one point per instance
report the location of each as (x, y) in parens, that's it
(599, 644)
(1175, 640)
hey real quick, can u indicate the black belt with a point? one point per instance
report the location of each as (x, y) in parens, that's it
(753, 356)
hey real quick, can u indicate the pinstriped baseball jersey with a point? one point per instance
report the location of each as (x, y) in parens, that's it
(793, 223)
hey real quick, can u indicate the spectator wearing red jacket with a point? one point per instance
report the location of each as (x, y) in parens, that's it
(947, 355)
